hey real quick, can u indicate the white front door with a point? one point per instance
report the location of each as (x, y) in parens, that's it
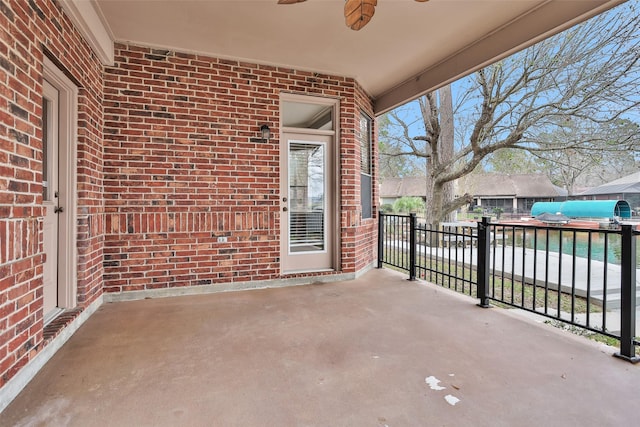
(308, 208)
(50, 197)
(59, 177)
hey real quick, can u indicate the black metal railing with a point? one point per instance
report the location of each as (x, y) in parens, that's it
(581, 277)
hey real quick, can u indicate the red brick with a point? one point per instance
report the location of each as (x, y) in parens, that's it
(21, 239)
(169, 155)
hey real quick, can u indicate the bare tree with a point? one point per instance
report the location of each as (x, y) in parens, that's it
(588, 73)
(391, 164)
(594, 155)
(437, 114)
(511, 160)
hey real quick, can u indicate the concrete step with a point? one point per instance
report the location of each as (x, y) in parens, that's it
(614, 298)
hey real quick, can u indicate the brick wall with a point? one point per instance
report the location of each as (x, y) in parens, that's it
(183, 167)
(360, 234)
(25, 28)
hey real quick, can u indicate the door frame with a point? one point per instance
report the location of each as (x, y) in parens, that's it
(333, 184)
(67, 183)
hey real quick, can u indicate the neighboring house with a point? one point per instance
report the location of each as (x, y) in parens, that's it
(626, 188)
(513, 193)
(133, 161)
(391, 189)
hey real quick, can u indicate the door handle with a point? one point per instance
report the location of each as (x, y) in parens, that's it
(58, 209)
(284, 209)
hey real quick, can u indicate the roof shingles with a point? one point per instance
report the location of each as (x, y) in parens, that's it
(480, 185)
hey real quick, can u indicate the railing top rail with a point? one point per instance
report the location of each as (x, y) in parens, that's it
(474, 224)
(561, 228)
(393, 214)
(460, 224)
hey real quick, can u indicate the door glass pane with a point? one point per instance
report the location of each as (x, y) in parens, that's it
(45, 150)
(306, 197)
(307, 116)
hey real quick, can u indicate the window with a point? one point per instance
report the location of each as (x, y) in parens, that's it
(505, 204)
(365, 166)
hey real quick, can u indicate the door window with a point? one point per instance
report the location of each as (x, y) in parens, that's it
(307, 193)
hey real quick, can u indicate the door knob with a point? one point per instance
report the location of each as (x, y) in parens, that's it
(58, 209)
(285, 209)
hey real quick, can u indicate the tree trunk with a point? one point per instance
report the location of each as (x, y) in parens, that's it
(446, 148)
(429, 197)
(439, 193)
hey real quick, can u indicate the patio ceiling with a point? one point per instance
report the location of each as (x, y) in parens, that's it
(407, 49)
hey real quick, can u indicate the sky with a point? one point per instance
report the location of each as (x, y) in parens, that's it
(464, 108)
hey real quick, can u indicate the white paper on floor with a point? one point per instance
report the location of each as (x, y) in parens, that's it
(433, 383)
(451, 400)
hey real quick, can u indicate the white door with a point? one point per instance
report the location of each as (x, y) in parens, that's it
(50, 190)
(308, 208)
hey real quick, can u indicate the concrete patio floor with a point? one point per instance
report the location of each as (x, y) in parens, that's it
(353, 353)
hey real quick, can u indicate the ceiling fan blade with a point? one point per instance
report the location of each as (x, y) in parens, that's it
(358, 13)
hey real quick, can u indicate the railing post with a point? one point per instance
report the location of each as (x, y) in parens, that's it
(628, 296)
(484, 248)
(380, 238)
(413, 221)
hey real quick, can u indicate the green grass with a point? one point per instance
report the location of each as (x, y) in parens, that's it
(594, 336)
(537, 298)
(510, 292)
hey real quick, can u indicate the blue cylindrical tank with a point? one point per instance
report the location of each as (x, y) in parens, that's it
(585, 208)
(539, 208)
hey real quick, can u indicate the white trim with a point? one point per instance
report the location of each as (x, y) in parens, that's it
(366, 269)
(227, 287)
(308, 99)
(336, 171)
(48, 317)
(88, 21)
(305, 131)
(16, 384)
(235, 286)
(67, 143)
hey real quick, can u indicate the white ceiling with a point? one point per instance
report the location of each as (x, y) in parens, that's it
(406, 49)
